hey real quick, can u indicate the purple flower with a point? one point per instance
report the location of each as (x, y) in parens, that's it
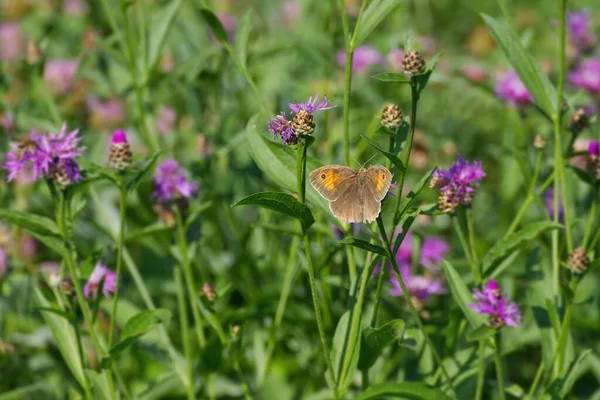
(280, 126)
(594, 148)
(581, 33)
(46, 154)
(59, 74)
(165, 120)
(75, 8)
(363, 57)
(229, 23)
(106, 114)
(548, 198)
(587, 75)
(432, 252)
(170, 182)
(11, 42)
(3, 262)
(311, 105)
(459, 183)
(420, 286)
(492, 302)
(101, 271)
(511, 90)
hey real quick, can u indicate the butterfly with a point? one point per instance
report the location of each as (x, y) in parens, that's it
(354, 196)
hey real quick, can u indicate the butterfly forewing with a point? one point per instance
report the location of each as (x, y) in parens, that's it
(332, 180)
(377, 181)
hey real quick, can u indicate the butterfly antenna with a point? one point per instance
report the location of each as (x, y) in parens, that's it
(356, 161)
(373, 156)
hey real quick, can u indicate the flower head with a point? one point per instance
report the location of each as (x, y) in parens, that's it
(105, 114)
(59, 74)
(100, 272)
(587, 75)
(165, 120)
(548, 198)
(458, 184)
(594, 148)
(311, 105)
(170, 182)
(421, 287)
(46, 155)
(363, 57)
(11, 42)
(280, 126)
(492, 302)
(580, 31)
(511, 90)
(120, 155)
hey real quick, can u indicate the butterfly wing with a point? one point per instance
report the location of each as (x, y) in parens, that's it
(333, 180)
(375, 185)
(348, 206)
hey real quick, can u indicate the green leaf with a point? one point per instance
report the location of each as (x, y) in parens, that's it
(340, 350)
(139, 175)
(52, 242)
(392, 77)
(363, 244)
(101, 389)
(462, 295)
(69, 317)
(212, 319)
(373, 15)
(215, 25)
(561, 386)
(534, 79)
(242, 35)
(135, 327)
(391, 156)
(196, 211)
(32, 222)
(280, 165)
(281, 202)
(160, 30)
(480, 333)
(584, 176)
(405, 204)
(39, 390)
(405, 390)
(64, 335)
(374, 340)
(512, 242)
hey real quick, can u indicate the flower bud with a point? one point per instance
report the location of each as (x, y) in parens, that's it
(303, 123)
(209, 291)
(120, 155)
(391, 116)
(445, 202)
(578, 261)
(539, 142)
(578, 121)
(413, 63)
(66, 286)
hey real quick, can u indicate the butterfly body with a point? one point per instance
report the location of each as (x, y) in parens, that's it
(354, 196)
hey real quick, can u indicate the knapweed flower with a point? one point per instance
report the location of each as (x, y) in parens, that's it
(119, 156)
(59, 74)
(458, 184)
(50, 155)
(420, 287)
(587, 76)
(301, 124)
(510, 89)
(593, 159)
(580, 31)
(229, 23)
(11, 42)
(391, 117)
(578, 261)
(548, 198)
(165, 120)
(364, 56)
(474, 73)
(492, 302)
(170, 182)
(432, 252)
(413, 63)
(75, 8)
(105, 114)
(100, 272)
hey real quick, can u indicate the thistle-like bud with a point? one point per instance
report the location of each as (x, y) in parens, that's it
(437, 182)
(593, 159)
(209, 291)
(66, 286)
(391, 116)
(579, 121)
(119, 156)
(303, 123)
(413, 63)
(496, 321)
(65, 173)
(578, 261)
(539, 142)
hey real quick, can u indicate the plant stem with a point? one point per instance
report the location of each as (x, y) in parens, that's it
(591, 217)
(378, 295)
(411, 306)
(465, 246)
(480, 370)
(470, 232)
(530, 197)
(186, 266)
(184, 326)
(536, 381)
(499, 373)
(68, 258)
(120, 239)
(564, 331)
(347, 80)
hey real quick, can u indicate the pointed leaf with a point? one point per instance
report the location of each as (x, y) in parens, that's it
(340, 350)
(362, 244)
(391, 156)
(413, 194)
(512, 242)
(139, 175)
(532, 76)
(101, 388)
(377, 339)
(404, 390)
(480, 333)
(242, 35)
(462, 295)
(392, 77)
(375, 12)
(160, 30)
(215, 25)
(281, 202)
(33, 222)
(561, 387)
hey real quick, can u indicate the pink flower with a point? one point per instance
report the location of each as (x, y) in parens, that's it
(101, 271)
(587, 75)
(165, 120)
(11, 42)
(364, 56)
(106, 114)
(511, 90)
(170, 182)
(59, 74)
(492, 302)
(474, 73)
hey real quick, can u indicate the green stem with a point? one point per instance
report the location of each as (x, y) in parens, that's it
(411, 306)
(189, 279)
(480, 370)
(499, 373)
(120, 240)
(347, 80)
(470, 232)
(68, 258)
(536, 381)
(414, 96)
(465, 246)
(591, 217)
(530, 198)
(184, 326)
(564, 331)
(378, 295)
(351, 261)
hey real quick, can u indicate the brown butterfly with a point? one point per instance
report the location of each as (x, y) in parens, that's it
(354, 196)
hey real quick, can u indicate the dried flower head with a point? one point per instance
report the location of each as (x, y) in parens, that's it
(66, 286)
(391, 117)
(413, 63)
(579, 120)
(492, 302)
(578, 261)
(100, 272)
(119, 155)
